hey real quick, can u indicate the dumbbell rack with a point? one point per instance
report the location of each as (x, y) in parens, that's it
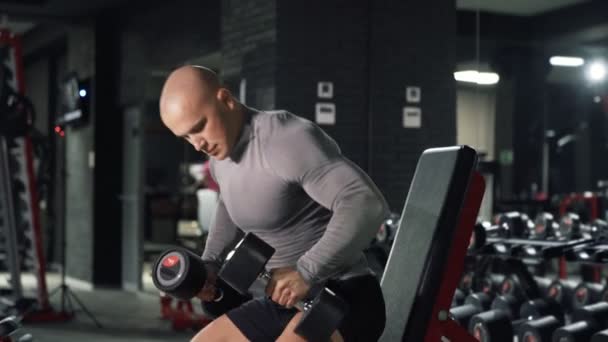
(7, 223)
(22, 220)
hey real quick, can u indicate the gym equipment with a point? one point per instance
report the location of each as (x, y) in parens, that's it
(601, 336)
(181, 274)
(538, 330)
(586, 321)
(585, 294)
(431, 244)
(545, 226)
(511, 286)
(16, 118)
(569, 226)
(541, 307)
(515, 223)
(491, 283)
(458, 298)
(562, 292)
(543, 284)
(508, 225)
(387, 229)
(466, 282)
(245, 264)
(473, 304)
(500, 322)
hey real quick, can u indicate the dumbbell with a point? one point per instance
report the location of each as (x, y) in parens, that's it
(491, 283)
(245, 264)
(601, 336)
(586, 293)
(473, 304)
(181, 274)
(507, 225)
(541, 307)
(388, 228)
(466, 282)
(533, 322)
(601, 228)
(499, 323)
(562, 292)
(539, 329)
(586, 321)
(520, 285)
(511, 286)
(543, 284)
(517, 224)
(597, 229)
(458, 298)
(545, 226)
(569, 226)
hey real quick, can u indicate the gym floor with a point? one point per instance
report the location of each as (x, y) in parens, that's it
(125, 316)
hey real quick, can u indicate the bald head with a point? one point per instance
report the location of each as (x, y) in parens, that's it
(195, 107)
(186, 90)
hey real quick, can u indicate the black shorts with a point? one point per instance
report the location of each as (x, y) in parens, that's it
(262, 320)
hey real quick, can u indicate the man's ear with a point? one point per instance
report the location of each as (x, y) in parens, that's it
(225, 97)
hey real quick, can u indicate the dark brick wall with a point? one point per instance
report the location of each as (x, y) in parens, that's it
(320, 41)
(371, 51)
(248, 45)
(160, 37)
(412, 44)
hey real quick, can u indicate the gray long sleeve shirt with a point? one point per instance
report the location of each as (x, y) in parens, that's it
(287, 182)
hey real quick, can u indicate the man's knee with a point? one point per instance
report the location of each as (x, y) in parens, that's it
(220, 330)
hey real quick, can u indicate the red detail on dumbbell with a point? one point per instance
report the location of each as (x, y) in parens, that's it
(530, 338)
(553, 292)
(171, 261)
(581, 294)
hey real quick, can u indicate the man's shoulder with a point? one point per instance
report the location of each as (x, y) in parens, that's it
(276, 120)
(278, 125)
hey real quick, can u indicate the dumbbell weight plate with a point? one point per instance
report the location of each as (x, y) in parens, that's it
(179, 273)
(491, 326)
(537, 308)
(245, 263)
(569, 225)
(322, 316)
(601, 336)
(585, 294)
(543, 226)
(518, 224)
(538, 330)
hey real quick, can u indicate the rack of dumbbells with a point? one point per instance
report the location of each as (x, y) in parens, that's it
(537, 280)
(20, 233)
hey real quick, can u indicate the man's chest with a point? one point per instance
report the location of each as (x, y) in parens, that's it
(256, 198)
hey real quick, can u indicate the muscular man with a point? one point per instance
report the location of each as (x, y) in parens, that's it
(282, 178)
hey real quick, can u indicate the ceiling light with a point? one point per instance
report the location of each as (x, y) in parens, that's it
(474, 76)
(597, 71)
(566, 61)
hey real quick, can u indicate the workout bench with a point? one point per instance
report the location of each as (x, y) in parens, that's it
(429, 249)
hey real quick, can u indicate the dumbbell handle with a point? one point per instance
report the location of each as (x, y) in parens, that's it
(218, 295)
(303, 306)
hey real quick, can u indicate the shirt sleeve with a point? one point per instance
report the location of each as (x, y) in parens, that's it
(302, 153)
(221, 236)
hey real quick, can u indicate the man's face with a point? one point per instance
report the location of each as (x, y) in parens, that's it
(210, 129)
